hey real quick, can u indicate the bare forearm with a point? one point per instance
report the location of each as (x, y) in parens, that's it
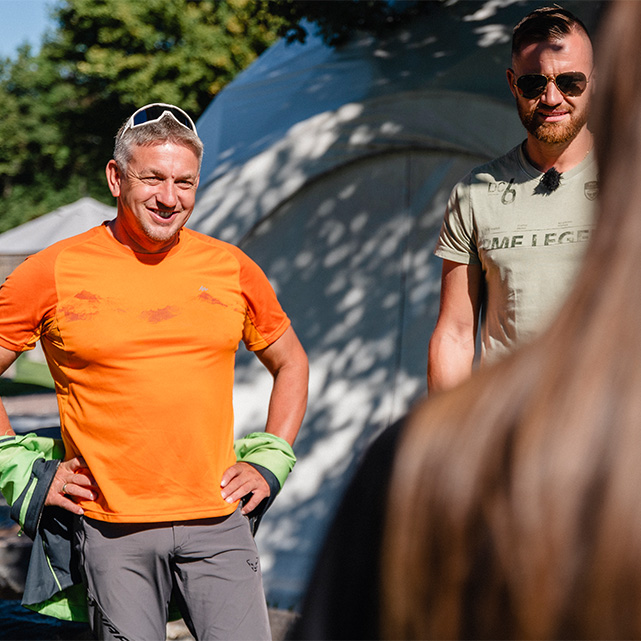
(7, 357)
(449, 361)
(287, 362)
(288, 401)
(5, 425)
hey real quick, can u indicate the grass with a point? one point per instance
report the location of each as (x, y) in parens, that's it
(33, 373)
(30, 378)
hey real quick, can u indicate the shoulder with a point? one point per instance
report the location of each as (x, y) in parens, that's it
(497, 168)
(202, 242)
(92, 235)
(45, 260)
(346, 576)
(220, 249)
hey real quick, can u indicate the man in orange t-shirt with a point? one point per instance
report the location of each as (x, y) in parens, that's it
(140, 320)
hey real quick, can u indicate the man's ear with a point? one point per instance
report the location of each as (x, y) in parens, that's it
(113, 178)
(511, 79)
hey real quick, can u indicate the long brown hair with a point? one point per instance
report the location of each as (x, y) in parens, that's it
(515, 507)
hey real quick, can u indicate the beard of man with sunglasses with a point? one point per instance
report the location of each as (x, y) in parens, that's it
(516, 228)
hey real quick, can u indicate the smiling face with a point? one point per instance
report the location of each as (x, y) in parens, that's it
(553, 118)
(156, 195)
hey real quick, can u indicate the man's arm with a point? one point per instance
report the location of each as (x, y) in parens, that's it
(7, 358)
(451, 350)
(72, 475)
(287, 362)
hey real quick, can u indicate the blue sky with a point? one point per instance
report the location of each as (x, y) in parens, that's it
(20, 21)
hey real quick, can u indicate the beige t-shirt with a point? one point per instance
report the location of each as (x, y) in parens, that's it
(528, 240)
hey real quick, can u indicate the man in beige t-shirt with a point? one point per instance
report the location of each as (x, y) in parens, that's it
(515, 229)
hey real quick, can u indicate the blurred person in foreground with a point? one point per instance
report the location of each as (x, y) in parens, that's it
(513, 511)
(516, 229)
(140, 319)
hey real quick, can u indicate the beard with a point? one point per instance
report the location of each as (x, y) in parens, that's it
(160, 234)
(553, 133)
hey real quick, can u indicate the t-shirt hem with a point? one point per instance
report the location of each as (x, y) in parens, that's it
(465, 259)
(161, 518)
(272, 338)
(12, 347)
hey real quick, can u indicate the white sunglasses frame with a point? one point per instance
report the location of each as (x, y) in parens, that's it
(168, 111)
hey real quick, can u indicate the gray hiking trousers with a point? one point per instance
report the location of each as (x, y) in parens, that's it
(209, 567)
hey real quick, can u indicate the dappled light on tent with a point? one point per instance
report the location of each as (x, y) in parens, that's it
(350, 258)
(331, 168)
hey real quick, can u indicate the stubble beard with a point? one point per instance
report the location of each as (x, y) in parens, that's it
(160, 234)
(553, 133)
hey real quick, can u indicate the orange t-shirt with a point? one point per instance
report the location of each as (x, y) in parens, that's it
(142, 350)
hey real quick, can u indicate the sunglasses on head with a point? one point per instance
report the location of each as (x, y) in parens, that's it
(155, 111)
(569, 83)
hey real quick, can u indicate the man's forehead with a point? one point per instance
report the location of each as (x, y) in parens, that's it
(573, 47)
(160, 156)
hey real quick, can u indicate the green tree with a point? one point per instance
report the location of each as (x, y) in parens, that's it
(33, 153)
(103, 59)
(336, 21)
(167, 50)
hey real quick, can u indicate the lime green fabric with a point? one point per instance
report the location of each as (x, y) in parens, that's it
(17, 456)
(268, 450)
(19, 453)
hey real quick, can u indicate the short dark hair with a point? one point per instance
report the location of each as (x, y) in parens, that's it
(545, 24)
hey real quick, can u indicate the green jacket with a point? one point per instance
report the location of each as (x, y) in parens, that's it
(28, 464)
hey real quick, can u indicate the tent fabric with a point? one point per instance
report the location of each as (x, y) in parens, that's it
(367, 96)
(331, 168)
(59, 224)
(20, 242)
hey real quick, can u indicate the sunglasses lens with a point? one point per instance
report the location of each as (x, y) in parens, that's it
(532, 85)
(571, 84)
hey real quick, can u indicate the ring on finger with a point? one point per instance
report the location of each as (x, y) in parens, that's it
(64, 488)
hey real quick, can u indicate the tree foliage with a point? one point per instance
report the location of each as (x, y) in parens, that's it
(336, 21)
(104, 58)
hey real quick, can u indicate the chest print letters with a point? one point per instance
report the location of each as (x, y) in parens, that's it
(507, 191)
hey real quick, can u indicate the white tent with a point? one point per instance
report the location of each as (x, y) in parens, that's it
(20, 242)
(30, 237)
(331, 168)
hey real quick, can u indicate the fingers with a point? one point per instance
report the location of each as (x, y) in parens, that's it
(60, 500)
(239, 481)
(72, 481)
(80, 486)
(74, 464)
(252, 504)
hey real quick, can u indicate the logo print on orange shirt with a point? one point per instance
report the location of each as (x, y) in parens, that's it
(83, 306)
(159, 315)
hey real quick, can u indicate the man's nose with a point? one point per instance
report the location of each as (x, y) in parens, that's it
(167, 195)
(551, 95)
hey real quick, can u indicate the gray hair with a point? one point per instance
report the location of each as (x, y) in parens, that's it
(166, 129)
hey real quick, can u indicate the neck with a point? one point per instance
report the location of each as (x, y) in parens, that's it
(562, 156)
(119, 232)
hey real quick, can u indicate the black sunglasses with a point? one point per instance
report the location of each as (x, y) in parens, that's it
(569, 83)
(155, 111)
